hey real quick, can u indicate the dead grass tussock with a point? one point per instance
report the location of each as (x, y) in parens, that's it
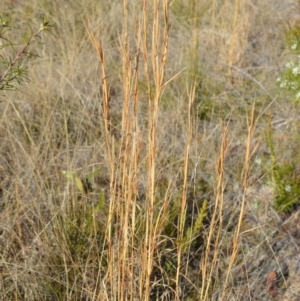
(169, 99)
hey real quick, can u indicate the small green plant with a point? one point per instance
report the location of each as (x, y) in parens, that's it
(285, 179)
(195, 229)
(88, 215)
(81, 231)
(290, 78)
(14, 71)
(285, 175)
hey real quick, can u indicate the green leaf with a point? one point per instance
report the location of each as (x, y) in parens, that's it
(72, 176)
(69, 175)
(92, 174)
(101, 202)
(79, 185)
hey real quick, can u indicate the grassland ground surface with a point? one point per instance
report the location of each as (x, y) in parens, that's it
(151, 155)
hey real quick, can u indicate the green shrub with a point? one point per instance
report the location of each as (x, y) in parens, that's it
(290, 78)
(12, 69)
(285, 176)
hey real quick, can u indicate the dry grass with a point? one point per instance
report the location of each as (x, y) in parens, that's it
(172, 102)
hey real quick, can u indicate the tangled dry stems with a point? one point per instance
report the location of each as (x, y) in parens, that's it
(167, 113)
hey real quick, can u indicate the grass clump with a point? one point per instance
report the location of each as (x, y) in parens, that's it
(128, 164)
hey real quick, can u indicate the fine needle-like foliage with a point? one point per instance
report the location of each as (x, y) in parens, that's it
(12, 70)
